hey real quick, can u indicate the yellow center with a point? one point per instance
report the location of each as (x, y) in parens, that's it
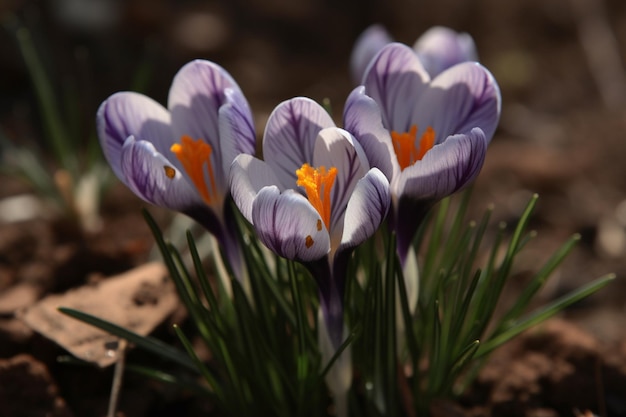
(193, 154)
(408, 149)
(317, 183)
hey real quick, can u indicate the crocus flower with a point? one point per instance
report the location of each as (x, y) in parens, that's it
(313, 200)
(439, 48)
(429, 137)
(179, 157)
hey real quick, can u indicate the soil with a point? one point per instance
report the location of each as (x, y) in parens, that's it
(560, 66)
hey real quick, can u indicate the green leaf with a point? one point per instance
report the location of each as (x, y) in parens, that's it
(300, 329)
(144, 342)
(208, 376)
(411, 341)
(544, 313)
(539, 280)
(207, 290)
(389, 331)
(62, 147)
(172, 379)
(356, 331)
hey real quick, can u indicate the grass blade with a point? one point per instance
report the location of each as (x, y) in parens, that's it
(544, 313)
(144, 342)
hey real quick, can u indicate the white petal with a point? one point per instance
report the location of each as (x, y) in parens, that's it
(366, 210)
(236, 129)
(248, 175)
(153, 177)
(289, 225)
(362, 118)
(445, 169)
(394, 79)
(459, 99)
(337, 148)
(290, 136)
(197, 93)
(127, 114)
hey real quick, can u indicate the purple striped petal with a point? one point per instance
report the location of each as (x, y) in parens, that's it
(439, 48)
(366, 209)
(154, 178)
(289, 225)
(367, 45)
(248, 175)
(196, 95)
(237, 134)
(394, 79)
(335, 147)
(459, 99)
(131, 114)
(290, 135)
(445, 169)
(363, 119)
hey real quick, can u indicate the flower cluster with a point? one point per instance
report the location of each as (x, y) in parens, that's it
(414, 131)
(180, 157)
(439, 48)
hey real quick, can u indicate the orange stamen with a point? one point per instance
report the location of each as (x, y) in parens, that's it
(193, 154)
(408, 149)
(317, 183)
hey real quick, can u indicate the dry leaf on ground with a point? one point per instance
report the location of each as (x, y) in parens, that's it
(138, 300)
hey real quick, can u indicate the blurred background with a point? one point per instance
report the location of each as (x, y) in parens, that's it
(559, 63)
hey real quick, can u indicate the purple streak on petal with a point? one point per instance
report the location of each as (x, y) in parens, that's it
(197, 93)
(241, 123)
(439, 48)
(445, 169)
(394, 79)
(237, 134)
(290, 135)
(366, 209)
(487, 105)
(248, 175)
(367, 45)
(337, 148)
(363, 119)
(287, 224)
(459, 99)
(144, 171)
(195, 97)
(131, 114)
